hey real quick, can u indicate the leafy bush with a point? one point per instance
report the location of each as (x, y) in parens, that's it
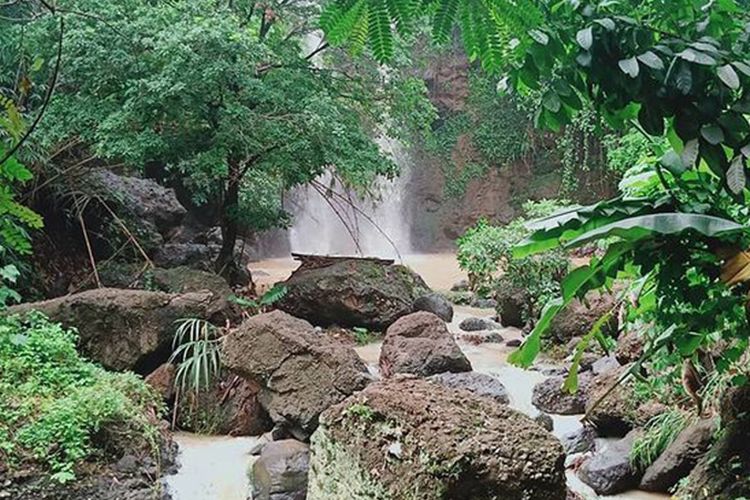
(54, 404)
(485, 252)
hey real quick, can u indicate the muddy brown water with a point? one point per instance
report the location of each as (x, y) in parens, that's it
(215, 467)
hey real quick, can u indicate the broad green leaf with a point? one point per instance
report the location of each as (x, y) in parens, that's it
(635, 228)
(743, 67)
(629, 67)
(673, 162)
(736, 175)
(728, 75)
(539, 36)
(585, 38)
(651, 60)
(698, 57)
(525, 355)
(712, 133)
(690, 153)
(607, 23)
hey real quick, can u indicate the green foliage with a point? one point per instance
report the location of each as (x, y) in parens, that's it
(658, 433)
(362, 336)
(195, 349)
(270, 297)
(485, 252)
(53, 402)
(474, 132)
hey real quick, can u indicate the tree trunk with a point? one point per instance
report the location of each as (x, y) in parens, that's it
(225, 264)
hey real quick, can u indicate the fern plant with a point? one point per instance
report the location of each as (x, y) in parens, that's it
(489, 28)
(271, 296)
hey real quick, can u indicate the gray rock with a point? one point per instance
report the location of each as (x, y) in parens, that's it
(300, 372)
(484, 303)
(460, 286)
(579, 441)
(609, 471)
(195, 255)
(478, 383)
(680, 457)
(604, 364)
(545, 421)
(281, 471)
(512, 306)
(437, 304)
(514, 342)
(421, 344)
(474, 324)
(548, 396)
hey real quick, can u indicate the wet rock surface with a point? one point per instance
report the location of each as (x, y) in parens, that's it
(421, 344)
(300, 372)
(577, 319)
(405, 434)
(479, 384)
(280, 473)
(124, 329)
(580, 440)
(474, 324)
(549, 396)
(609, 471)
(680, 457)
(352, 293)
(437, 304)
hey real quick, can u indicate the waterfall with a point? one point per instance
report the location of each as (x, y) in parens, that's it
(338, 222)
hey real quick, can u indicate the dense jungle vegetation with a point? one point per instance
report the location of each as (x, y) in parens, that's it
(234, 103)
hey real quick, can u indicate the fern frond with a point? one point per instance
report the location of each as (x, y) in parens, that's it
(339, 20)
(403, 13)
(380, 35)
(442, 21)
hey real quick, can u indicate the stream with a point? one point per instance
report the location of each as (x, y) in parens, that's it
(215, 467)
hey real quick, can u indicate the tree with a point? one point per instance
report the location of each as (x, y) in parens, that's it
(224, 99)
(674, 69)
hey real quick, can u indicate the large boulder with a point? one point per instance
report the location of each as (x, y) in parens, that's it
(300, 372)
(512, 306)
(180, 279)
(577, 319)
(549, 396)
(408, 438)
(352, 292)
(680, 457)
(437, 304)
(124, 329)
(480, 384)
(609, 471)
(154, 210)
(280, 473)
(724, 471)
(421, 344)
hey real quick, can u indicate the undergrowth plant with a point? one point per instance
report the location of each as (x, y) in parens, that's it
(54, 403)
(658, 433)
(195, 350)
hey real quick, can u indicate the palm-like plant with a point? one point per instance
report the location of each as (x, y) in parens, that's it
(195, 349)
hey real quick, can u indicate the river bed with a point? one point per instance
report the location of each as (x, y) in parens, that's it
(215, 467)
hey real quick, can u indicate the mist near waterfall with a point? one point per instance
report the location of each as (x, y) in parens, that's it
(329, 220)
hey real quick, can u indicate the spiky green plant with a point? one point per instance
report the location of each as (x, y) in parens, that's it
(195, 349)
(659, 433)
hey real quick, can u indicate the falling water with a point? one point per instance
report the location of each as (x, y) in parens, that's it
(330, 220)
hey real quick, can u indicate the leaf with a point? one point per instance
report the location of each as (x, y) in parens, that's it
(539, 36)
(636, 228)
(698, 57)
(736, 180)
(728, 75)
(673, 162)
(712, 133)
(629, 67)
(651, 119)
(570, 385)
(684, 79)
(525, 355)
(651, 60)
(743, 67)
(585, 38)
(607, 23)
(736, 269)
(552, 102)
(690, 153)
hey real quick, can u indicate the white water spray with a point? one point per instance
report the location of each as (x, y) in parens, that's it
(329, 220)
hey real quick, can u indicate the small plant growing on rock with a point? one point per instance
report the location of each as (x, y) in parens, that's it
(196, 351)
(361, 411)
(270, 297)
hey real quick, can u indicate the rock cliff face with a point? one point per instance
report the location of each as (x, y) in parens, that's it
(497, 194)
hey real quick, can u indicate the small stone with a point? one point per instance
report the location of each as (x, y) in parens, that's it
(395, 449)
(474, 324)
(579, 441)
(127, 464)
(545, 421)
(514, 343)
(605, 364)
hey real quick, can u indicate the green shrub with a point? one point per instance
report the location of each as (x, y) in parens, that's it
(659, 433)
(58, 409)
(485, 253)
